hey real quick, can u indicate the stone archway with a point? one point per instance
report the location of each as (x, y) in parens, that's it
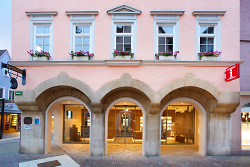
(203, 120)
(58, 125)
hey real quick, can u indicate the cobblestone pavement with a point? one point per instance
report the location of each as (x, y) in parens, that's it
(122, 155)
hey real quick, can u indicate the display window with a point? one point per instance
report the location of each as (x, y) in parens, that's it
(76, 124)
(178, 125)
(12, 122)
(125, 124)
(245, 129)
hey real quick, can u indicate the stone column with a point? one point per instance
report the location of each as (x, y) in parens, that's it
(97, 145)
(32, 140)
(152, 142)
(219, 134)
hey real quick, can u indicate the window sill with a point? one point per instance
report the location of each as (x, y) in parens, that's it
(195, 63)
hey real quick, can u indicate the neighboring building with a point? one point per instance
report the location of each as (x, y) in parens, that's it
(241, 117)
(12, 116)
(181, 100)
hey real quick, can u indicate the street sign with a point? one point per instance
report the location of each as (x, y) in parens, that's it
(233, 72)
(18, 93)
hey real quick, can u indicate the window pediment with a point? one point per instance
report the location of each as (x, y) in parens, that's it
(124, 9)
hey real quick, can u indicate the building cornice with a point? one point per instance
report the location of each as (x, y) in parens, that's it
(123, 9)
(32, 13)
(167, 12)
(126, 63)
(85, 12)
(244, 93)
(209, 12)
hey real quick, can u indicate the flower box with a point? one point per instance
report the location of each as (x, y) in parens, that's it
(166, 58)
(122, 57)
(80, 58)
(209, 58)
(40, 58)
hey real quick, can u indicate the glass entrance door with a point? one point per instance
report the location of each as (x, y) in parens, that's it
(125, 124)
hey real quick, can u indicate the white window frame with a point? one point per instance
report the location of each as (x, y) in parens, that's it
(11, 90)
(123, 15)
(41, 35)
(40, 18)
(124, 34)
(3, 96)
(165, 18)
(4, 72)
(209, 18)
(82, 18)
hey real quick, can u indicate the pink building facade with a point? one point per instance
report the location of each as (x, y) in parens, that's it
(180, 99)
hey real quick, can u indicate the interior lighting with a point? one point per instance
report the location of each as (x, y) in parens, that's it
(68, 101)
(126, 109)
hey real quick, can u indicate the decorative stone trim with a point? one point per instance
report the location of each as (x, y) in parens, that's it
(197, 63)
(167, 12)
(209, 12)
(124, 63)
(245, 93)
(31, 13)
(124, 9)
(84, 12)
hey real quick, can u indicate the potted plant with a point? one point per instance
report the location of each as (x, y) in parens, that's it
(81, 55)
(209, 56)
(166, 55)
(123, 55)
(39, 55)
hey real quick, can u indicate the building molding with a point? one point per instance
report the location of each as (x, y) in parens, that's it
(196, 63)
(167, 12)
(82, 12)
(32, 13)
(245, 93)
(124, 9)
(209, 12)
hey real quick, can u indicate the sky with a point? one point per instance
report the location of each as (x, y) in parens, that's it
(5, 25)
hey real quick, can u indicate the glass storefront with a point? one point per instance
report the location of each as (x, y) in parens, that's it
(12, 122)
(125, 124)
(245, 128)
(178, 125)
(76, 124)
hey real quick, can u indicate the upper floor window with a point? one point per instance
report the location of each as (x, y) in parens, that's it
(42, 38)
(2, 92)
(166, 31)
(41, 30)
(82, 30)
(123, 36)
(208, 31)
(207, 38)
(123, 29)
(11, 94)
(5, 72)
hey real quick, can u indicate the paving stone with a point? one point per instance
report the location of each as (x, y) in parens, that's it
(122, 155)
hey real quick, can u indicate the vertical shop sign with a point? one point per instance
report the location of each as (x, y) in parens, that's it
(233, 72)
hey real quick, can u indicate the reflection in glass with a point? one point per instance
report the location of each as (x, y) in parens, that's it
(165, 29)
(39, 30)
(119, 29)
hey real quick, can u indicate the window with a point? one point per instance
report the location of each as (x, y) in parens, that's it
(166, 30)
(123, 36)
(5, 72)
(81, 38)
(82, 31)
(11, 94)
(41, 30)
(208, 28)
(207, 38)
(123, 29)
(42, 38)
(2, 92)
(165, 38)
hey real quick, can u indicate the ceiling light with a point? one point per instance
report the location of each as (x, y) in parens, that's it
(68, 101)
